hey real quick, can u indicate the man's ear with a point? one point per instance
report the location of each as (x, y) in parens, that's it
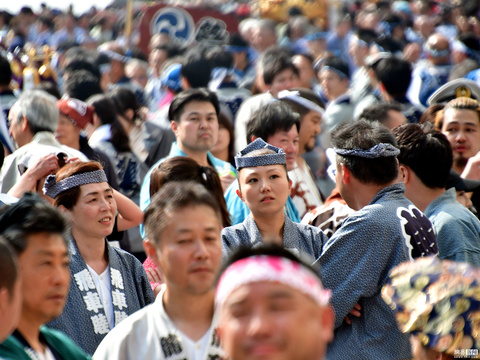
(346, 174)
(404, 174)
(150, 250)
(327, 321)
(24, 124)
(174, 126)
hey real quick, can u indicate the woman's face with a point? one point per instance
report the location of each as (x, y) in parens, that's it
(222, 142)
(94, 213)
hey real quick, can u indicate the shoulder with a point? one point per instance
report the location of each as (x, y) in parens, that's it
(63, 344)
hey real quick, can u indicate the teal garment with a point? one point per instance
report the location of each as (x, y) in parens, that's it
(12, 348)
(457, 229)
(239, 211)
(219, 165)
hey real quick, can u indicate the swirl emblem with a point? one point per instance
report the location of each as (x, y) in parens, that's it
(177, 22)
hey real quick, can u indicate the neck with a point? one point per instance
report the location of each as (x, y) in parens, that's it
(199, 156)
(423, 196)
(29, 327)
(93, 251)
(364, 193)
(271, 226)
(459, 166)
(191, 314)
(222, 154)
(75, 144)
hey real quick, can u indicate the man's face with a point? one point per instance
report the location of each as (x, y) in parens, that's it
(462, 128)
(289, 142)
(189, 252)
(285, 80)
(262, 39)
(264, 189)
(309, 130)
(197, 130)
(267, 320)
(305, 70)
(67, 133)
(10, 309)
(44, 269)
(16, 128)
(333, 85)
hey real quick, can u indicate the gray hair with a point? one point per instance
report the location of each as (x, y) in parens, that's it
(39, 108)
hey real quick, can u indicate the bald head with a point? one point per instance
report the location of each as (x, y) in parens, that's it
(438, 49)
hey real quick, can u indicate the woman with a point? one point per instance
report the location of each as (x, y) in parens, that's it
(223, 148)
(182, 168)
(108, 284)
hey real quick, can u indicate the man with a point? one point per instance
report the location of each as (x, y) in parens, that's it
(33, 119)
(394, 76)
(180, 324)
(278, 126)
(278, 73)
(267, 310)
(37, 233)
(432, 73)
(385, 230)
(425, 162)
(193, 118)
(334, 77)
(7, 99)
(10, 290)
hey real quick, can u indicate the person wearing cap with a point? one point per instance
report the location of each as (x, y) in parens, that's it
(36, 232)
(180, 324)
(385, 230)
(334, 77)
(108, 284)
(264, 186)
(435, 302)
(272, 305)
(33, 120)
(425, 161)
(74, 117)
(454, 89)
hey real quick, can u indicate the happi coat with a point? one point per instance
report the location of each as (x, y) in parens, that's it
(150, 334)
(83, 318)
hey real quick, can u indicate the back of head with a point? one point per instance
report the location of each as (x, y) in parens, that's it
(82, 84)
(5, 72)
(270, 119)
(81, 61)
(172, 197)
(40, 110)
(426, 151)
(196, 68)
(275, 60)
(29, 216)
(362, 136)
(124, 99)
(395, 74)
(182, 168)
(379, 112)
(183, 98)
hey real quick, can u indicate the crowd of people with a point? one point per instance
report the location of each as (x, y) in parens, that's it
(298, 190)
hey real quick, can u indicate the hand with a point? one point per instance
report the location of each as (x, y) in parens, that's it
(354, 312)
(226, 180)
(412, 52)
(155, 275)
(472, 169)
(47, 164)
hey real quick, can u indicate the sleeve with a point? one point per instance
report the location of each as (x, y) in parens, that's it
(354, 262)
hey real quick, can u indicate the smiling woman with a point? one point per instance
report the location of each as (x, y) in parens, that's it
(108, 284)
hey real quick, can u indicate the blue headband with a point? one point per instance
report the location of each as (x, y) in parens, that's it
(375, 152)
(335, 70)
(52, 188)
(280, 158)
(297, 98)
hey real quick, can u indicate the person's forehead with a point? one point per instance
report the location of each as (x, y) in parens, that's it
(259, 170)
(44, 243)
(87, 189)
(198, 106)
(461, 116)
(210, 219)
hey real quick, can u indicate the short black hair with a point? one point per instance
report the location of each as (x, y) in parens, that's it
(31, 215)
(271, 118)
(82, 84)
(379, 111)
(275, 60)
(5, 72)
(183, 98)
(426, 151)
(196, 68)
(362, 134)
(84, 60)
(268, 249)
(8, 266)
(395, 74)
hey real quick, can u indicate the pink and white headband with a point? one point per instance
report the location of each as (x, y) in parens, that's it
(274, 269)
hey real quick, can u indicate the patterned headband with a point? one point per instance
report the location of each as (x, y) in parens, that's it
(241, 161)
(274, 269)
(435, 52)
(335, 70)
(52, 188)
(296, 97)
(379, 150)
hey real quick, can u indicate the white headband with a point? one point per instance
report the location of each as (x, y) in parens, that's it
(274, 269)
(296, 97)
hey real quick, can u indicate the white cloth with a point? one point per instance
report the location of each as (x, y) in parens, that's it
(104, 289)
(304, 193)
(150, 334)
